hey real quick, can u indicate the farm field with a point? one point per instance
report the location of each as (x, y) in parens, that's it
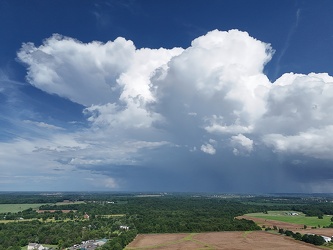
(217, 240)
(14, 208)
(300, 219)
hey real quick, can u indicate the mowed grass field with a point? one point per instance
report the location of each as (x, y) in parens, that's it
(283, 216)
(14, 208)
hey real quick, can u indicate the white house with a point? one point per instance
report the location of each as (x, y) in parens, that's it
(36, 246)
(327, 239)
(124, 227)
(292, 213)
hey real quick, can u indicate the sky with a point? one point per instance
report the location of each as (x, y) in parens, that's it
(227, 96)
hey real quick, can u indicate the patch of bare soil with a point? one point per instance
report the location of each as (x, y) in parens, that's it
(218, 240)
(156, 239)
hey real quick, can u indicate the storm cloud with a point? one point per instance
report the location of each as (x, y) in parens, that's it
(171, 119)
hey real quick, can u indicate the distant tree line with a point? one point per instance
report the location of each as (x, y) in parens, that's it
(308, 238)
(32, 198)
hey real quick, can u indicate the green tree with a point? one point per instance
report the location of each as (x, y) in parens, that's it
(23, 242)
(117, 246)
(297, 236)
(14, 248)
(60, 244)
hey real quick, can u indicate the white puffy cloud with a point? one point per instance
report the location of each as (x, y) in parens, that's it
(208, 149)
(83, 73)
(315, 143)
(241, 144)
(298, 102)
(209, 96)
(298, 117)
(111, 79)
(220, 79)
(216, 86)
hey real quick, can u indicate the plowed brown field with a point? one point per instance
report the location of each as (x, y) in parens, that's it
(218, 240)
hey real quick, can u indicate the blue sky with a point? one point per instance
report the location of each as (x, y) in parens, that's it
(203, 96)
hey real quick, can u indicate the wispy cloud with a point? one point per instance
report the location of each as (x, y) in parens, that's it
(43, 125)
(284, 49)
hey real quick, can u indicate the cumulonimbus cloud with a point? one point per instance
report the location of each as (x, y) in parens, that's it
(215, 89)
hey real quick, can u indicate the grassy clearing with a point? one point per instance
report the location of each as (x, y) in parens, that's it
(270, 203)
(69, 203)
(24, 220)
(111, 215)
(8, 221)
(14, 208)
(310, 221)
(48, 220)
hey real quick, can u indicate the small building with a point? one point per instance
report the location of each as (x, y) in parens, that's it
(327, 239)
(292, 213)
(36, 246)
(124, 227)
(86, 216)
(100, 242)
(88, 245)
